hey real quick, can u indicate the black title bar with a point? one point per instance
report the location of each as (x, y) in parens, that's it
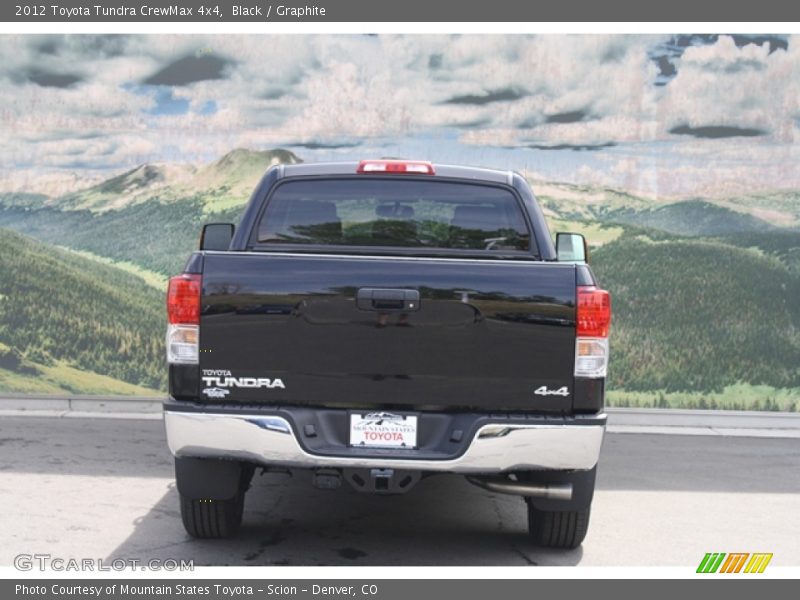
(441, 11)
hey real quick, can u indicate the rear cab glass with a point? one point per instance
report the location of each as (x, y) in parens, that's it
(395, 212)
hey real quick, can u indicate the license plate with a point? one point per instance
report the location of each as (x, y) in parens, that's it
(383, 430)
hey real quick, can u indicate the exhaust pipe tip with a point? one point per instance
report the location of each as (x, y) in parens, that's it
(502, 485)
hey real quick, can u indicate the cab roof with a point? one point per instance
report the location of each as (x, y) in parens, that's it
(351, 168)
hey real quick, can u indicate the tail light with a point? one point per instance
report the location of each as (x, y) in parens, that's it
(416, 167)
(183, 317)
(593, 322)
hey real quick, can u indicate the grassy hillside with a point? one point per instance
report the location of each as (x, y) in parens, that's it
(22, 199)
(224, 183)
(154, 235)
(76, 324)
(697, 350)
(60, 378)
(739, 396)
(137, 185)
(782, 245)
(228, 182)
(136, 218)
(690, 218)
(781, 208)
(693, 315)
(581, 202)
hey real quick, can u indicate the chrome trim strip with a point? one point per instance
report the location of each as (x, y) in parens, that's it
(270, 440)
(373, 257)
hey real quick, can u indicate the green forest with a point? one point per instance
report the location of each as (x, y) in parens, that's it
(61, 312)
(153, 234)
(697, 315)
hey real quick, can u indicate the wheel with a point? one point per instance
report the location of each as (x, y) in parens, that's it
(207, 518)
(557, 528)
(212, 496)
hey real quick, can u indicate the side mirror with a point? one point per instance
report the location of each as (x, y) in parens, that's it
(572, 248)
(216, 236)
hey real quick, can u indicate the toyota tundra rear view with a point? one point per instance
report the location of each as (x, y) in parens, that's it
(380, 322)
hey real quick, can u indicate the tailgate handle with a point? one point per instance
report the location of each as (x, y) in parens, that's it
(388, 300)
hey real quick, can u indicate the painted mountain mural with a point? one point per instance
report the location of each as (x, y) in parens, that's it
(675, 155)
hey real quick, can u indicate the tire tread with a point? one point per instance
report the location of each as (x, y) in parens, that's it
(558, 529)
(216, 519)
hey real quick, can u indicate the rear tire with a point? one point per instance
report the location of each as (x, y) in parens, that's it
(207, 518)
(212, 495)
(557, 528)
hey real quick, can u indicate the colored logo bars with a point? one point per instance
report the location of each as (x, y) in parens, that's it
(719, 562)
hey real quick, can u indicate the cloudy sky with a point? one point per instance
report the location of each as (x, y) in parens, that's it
(662, 115)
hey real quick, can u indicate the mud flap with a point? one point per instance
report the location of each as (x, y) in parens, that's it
(208, 478)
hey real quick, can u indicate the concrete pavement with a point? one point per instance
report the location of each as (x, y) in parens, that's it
(103, 488)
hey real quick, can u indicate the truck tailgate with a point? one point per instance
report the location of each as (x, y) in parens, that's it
(342, 330)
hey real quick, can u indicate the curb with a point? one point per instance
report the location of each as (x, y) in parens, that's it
(713, 419)
(726, 423)
(93, 406)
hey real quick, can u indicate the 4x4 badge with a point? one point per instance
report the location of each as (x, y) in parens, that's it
(543, 391)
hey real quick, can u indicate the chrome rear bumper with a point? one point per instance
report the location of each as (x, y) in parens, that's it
(495, 448)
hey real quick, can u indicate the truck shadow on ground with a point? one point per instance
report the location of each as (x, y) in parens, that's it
(443, 521)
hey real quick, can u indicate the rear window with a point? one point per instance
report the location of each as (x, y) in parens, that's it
(399, 212)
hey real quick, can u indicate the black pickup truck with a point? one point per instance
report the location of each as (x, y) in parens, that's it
(384, 321)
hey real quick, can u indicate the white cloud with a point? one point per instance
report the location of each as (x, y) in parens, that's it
(725, 85)
(284, 89)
